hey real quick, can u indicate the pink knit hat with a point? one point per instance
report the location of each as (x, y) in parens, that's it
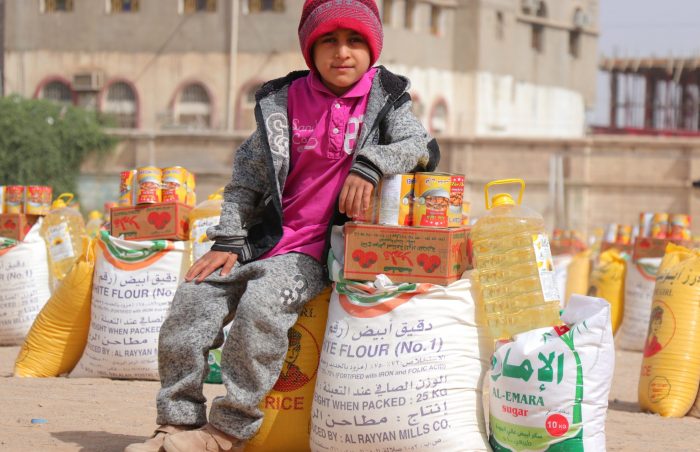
(324, 16)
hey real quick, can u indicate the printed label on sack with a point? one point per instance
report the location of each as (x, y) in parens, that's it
(60, 243)
(545, 266)
(198, 234)
(536, 399)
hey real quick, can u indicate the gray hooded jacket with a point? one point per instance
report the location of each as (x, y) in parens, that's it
(392, 141)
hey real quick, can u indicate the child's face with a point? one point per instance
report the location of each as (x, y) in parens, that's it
(341, 58)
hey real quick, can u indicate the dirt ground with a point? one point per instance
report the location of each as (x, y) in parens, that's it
(105, 415)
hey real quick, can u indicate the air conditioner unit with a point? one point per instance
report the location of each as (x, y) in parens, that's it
(529, 5)
(88, 81)
(581, 19)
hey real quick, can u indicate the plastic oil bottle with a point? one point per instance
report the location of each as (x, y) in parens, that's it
(63, 230)
(94, 224)
(205, 215)
(514, 266)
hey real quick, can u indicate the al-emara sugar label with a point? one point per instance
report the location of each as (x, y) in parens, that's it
(545, 266)
(549, 386)
(536, 396)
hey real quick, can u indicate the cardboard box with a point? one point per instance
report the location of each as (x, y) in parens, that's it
(650, 247)
(16, 225)
(167, 221)
(405, 254)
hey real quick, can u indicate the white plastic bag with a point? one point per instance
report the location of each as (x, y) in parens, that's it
(549, 386)
(24, 285)
(401, 370)
(133, 287)
(639, 291)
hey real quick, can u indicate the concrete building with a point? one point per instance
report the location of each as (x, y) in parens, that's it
(478, 67)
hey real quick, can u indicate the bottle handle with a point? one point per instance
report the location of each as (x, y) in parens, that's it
(487, 198)
(68, 197)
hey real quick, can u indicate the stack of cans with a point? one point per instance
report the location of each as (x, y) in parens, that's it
(29, 200)
(151, 185)
(665, 226)
(419, 199)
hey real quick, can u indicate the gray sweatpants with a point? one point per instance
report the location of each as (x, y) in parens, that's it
(264, 299)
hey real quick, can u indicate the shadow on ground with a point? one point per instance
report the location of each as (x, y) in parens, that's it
(98, 441)
(622, 405)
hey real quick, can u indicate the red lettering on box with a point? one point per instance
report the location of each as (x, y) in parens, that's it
(126, 221)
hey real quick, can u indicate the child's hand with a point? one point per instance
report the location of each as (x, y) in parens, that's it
(207, 264)
(355, 195)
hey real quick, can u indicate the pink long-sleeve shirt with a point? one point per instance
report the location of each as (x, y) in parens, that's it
(325, 129)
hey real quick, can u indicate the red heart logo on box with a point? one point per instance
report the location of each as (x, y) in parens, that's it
(159, 219)
(433, 263)
(9, 224)
(364, 259)
(429, 263)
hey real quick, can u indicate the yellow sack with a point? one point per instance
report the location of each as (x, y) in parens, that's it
(59, 333)
(670, 372)
(577, 275)
(287, 406)
(608, 282)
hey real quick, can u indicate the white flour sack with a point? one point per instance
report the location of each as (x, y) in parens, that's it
(549, 386)
(24, 285)
(401, 370)
(133, 287)
(639, 291)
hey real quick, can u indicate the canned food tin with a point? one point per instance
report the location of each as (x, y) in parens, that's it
(47, 197)
(191, 195)
(149, 180)
(680, 227)
(175, 184)
(466, 210)
(14, 198)
(34, 200)
(659, 226)
(645, 219)
(432, 191)
(396, 200)
(624, 234)
(127, 180)
(454, 212)
(610, 233)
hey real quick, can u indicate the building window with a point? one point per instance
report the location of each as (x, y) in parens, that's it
(193, 109)
(500, 26)
(575, 43)
(438, 117)
(122, 6)
(409, 13)
(387, 9)
(197, 6)
(120, 105)
(538, 38)
(257, 6)
(435, 20)
(538, 29)
(58, 92)
(53, 6)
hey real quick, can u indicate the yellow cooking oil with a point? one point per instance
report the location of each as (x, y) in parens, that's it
(63, 230)
(514, 266)
(205, 215)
